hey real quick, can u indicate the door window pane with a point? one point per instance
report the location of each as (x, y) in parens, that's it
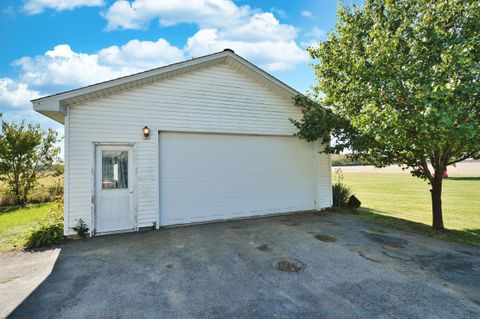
(114, 169)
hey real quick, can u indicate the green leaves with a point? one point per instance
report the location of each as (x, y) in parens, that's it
(26, 153)
(49, 230)
(401, 80)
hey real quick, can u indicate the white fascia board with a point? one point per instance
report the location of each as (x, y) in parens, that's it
(265, 74)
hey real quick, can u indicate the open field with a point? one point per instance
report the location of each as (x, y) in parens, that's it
(44, 182)
(47, 189)
(393, 197)
(467, 168)
(15, 224)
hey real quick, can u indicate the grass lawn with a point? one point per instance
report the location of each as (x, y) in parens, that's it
(403, 201)
(15, 224)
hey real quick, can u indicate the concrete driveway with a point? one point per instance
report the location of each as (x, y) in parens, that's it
(331, 266)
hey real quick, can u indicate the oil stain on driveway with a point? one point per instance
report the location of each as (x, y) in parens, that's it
(311, 265)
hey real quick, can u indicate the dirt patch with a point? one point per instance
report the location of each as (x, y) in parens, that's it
(264, 247)
(386, 240)
(290, 265)
(325, 238)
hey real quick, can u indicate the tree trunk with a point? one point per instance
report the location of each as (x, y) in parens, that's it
(17, 199)
(436, 193)
(25, 197)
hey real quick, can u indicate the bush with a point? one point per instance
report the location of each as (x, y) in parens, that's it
(49, 230)
(81, 228)
(6, 200)
(341, 194)
(56, 190)
(39, 196)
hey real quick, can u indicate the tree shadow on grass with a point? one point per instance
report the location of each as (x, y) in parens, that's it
(465, 236)
(464, 178)
(8, 209)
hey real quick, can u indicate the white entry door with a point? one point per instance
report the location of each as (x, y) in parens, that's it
(206, 177)
(114, 209)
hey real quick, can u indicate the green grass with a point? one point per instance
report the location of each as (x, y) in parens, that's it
(16, 223)
(403, 201)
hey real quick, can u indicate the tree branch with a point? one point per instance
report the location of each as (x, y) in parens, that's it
(460, 159)
(425, 170)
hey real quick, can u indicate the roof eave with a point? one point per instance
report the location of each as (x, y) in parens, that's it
(51, 108)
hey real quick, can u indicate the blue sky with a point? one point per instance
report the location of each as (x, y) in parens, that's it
(54, 45)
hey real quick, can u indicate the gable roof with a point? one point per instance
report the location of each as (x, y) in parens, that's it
(54, 106)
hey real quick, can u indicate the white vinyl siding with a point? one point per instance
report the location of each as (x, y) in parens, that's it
(217, 99)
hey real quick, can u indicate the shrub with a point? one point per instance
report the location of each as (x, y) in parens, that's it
(341, 194)
(6, 199)
(56, 190)
(81, 228)
(49, 230)
(39, 196)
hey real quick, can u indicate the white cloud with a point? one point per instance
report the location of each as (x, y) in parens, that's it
(38, 6)
(15, 101)
(15, 104)
(64, 68)
(15, 95)
(261, 27)
(307, 14)
(256, 35)
(273, 56)
(262, 40)
(205, 13)
(141, 54)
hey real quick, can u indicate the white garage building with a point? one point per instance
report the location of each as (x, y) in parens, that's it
(220, 145)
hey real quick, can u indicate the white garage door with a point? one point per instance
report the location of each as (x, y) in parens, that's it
(206, 177)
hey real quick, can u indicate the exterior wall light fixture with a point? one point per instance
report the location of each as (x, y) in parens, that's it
(146, 132)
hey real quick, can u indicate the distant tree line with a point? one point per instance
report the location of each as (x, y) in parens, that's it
(346, 160)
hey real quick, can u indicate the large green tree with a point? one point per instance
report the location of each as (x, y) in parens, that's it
(399, 83)
(26, 154)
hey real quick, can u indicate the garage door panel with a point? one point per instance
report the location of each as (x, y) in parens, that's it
(218, 176)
